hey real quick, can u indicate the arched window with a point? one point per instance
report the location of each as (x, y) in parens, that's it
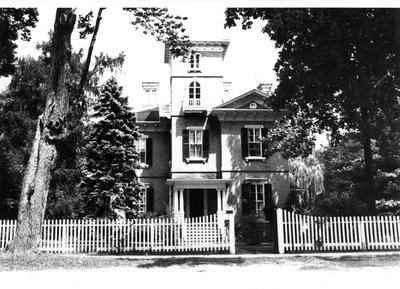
(194, 94)
(194, 60)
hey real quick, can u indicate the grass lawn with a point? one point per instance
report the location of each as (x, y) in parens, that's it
(45, 261)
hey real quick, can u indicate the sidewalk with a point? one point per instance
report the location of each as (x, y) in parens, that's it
(252, 251)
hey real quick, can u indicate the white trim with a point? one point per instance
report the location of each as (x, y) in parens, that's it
(195, 127)
(196, 159)
(247, 159)
(257, 180)
(254, 126)
(199, 183)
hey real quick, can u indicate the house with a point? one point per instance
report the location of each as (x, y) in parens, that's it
(202, 152)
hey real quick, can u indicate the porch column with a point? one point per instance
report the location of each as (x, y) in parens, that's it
(224, 200)
(181, 209)
(219, 202)
(175, 203)
(169, 199)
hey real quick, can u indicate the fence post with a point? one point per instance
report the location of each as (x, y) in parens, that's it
(231, 219)
(279, 228)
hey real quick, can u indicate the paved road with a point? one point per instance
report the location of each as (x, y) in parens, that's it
(207, 276)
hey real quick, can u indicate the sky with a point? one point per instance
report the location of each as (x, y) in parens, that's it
(250, 58)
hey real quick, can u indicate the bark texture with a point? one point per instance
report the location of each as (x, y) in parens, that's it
(368, 163)
(50, 132)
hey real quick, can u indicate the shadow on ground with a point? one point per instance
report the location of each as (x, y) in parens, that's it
(192, 262)
(357, 261)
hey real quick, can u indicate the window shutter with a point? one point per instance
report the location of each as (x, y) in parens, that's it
(246, 206)
(149, 151)
(185, 144)
(264, 133)
(244, 139)
(206, 143)
(269, 203)
(150, 200)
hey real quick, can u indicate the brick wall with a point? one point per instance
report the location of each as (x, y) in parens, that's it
(157, 174)
(181, 168)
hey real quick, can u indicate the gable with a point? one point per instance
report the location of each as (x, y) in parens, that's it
(254, 99)
(255, 104)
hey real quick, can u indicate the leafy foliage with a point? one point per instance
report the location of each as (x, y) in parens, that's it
(85, 25)
(306, 182)
(344, 181)
(291, 137)
(163, 26)
(20, 106)
(110, 183)
(338, 67)
(307, 174)
(14, 23)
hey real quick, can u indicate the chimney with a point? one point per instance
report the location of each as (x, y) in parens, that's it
(265, 87)
(227, 89)
(150, 90)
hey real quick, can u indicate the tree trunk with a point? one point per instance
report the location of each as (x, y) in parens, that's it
(50, 131)
(368, 165)
(90, 52)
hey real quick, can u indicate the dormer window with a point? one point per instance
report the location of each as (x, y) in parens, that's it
(194, 94)
(194, 61)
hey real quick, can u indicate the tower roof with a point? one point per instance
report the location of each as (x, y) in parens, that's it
(202, 45)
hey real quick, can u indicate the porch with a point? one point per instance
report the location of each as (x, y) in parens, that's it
(190, 198)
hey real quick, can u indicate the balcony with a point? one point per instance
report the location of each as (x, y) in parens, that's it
(193, 105)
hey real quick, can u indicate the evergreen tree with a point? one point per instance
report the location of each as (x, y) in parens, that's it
(20, 106)
(111, 185)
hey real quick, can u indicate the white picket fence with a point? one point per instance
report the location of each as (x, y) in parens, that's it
(208, 233)
(302, 233)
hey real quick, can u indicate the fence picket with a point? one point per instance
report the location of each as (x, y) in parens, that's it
(305, 233)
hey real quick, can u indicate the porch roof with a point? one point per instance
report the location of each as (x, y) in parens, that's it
(188, 183)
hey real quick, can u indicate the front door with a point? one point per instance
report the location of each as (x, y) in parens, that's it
(196, 203)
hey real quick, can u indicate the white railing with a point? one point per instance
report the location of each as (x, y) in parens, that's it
(298, 233)
(156, 235)
(194, 102)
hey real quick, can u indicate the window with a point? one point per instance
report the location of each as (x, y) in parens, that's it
(142, 208)
(195, 143)
(253, 147)
(254, 142)
(144, 149)
(194, 94)
(194, 61)
(257, 199)
(145, 200)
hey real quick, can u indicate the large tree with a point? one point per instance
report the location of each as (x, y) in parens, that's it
(338, 67)
(20, 105)
(52, 129)
(110, 182)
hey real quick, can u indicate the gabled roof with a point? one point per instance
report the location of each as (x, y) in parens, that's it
(243, 101)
